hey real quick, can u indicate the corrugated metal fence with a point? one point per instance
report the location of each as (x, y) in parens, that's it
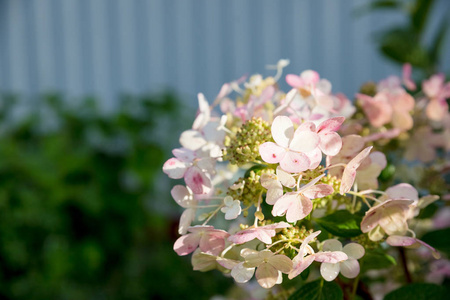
(108, 47)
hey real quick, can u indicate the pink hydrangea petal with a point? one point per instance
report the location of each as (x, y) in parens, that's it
(306, 241)
(294, 80)
(434, 252)
(403, 191)
(299, 209)
(310, 76)
(294, 162)
(282, 130)
(378, 158)
(197, 181)
(283, 204)
(402, 120)
(271, 152)
(175, 168)
(348, 177)
(330, 143)
(315, 157)
(311, 183)
(304, 141)
(377, 109)
(227, 263)
(184, 154)
(307, 126)
(432, 86)
(266, 275)
(400, 241)
(212, 243)
(186, 244)
(243, 236)
(300, 264)
(332, 245)
(370, 220)
(354, 250)
(350, 268)
(330, 125)
(329, 271)
(436, 110)
(330, 256)
(407, 81)
(351, 144)
(265, 235)
(318, 191)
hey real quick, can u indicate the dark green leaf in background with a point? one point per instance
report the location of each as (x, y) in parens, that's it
(341, 223)
(318, 290)
(418, 291)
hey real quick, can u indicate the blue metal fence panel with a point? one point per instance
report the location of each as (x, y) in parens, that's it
(108, 47)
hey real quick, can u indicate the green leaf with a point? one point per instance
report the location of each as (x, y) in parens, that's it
(377, 5)
(403, 45)
(439, 239)
(376, 260)
(438, 42)
(417, 291)
(419, 15)
(341, 223)
(318, 290)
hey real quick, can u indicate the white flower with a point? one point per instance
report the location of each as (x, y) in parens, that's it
(232, 208)
(348, 268)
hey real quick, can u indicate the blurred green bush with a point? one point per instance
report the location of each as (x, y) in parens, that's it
(83, 211)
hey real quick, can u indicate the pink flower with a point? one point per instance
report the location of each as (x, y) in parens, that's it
(302, 261)
(274, 184)
(349, 267)
(306, 79)
(388, 217)
(262, 233)
(410, 242)
(348, 177)
(269, 266)
(196, 171)
(377, 108)
(289, 147)
(297, 205)
(437, 91)
(407, 81)
(209, 240)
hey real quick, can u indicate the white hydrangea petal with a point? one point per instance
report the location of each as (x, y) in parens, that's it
(185, 220)
(192, 140)
(403, 190)
(282, 130)
(350, 268)
(329, 271)
(266, 275)
(332, 245)
(285, 178)
(242, 274)
(281, 263)
(304, 141)
(354, 250)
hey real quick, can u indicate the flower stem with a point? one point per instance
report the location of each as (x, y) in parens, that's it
(405, 264)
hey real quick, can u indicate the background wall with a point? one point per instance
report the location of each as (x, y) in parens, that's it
(108, 47)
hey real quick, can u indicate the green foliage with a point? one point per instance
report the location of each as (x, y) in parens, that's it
(341, 223)
(418, 291)
(376, 260)
(76, 191)
(406, 43)
(318, 290)
(439, 239)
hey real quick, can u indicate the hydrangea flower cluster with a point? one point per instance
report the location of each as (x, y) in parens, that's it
(276, 181)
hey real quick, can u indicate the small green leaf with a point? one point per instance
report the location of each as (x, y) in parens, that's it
(376, 260)
(318, 290)
(341, 223)
(417, 291)
(420, 14)
(439, 239)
